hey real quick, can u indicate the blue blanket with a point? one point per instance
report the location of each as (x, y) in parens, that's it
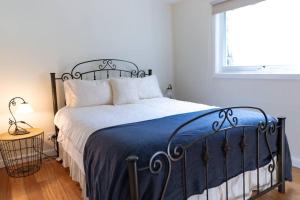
(107, 149)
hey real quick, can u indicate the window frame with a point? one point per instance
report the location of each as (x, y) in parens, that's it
(221, 70)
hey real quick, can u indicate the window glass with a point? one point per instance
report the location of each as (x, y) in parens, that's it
(264, 34)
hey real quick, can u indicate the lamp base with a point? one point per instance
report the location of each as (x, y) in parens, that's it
(15, 129)
(19, 131)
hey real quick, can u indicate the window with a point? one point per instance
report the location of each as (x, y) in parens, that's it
(259, 38)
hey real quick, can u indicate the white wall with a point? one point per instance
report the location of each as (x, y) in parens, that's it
(194, 81)
(38, 37)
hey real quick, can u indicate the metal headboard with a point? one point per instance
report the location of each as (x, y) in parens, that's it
(96, 69)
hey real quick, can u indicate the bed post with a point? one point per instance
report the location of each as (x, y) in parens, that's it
(55, 107)
(149, 72)
(133, 177)
(281, 156)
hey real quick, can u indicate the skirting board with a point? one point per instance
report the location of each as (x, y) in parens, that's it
(296, 162)
(50, 152)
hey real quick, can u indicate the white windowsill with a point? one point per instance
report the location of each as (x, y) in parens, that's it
(246, 75)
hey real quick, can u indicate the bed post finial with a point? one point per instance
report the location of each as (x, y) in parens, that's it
(149, 72)
(133, 177)
(281, 156)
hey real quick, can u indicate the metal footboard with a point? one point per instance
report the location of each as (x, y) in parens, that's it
(224, 124)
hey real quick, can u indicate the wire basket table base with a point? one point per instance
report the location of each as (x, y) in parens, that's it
(22, 157)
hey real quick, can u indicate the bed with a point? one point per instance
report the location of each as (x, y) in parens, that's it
(162, 148)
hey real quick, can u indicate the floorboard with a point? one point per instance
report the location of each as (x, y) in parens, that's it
(52, 182)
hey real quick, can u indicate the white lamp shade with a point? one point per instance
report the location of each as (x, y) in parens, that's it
(24, 108)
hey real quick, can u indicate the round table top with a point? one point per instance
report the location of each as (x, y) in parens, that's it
(32, 133)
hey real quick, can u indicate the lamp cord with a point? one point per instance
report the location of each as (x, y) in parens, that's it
(46, 156)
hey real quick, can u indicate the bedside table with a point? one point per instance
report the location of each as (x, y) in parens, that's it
(22, 154)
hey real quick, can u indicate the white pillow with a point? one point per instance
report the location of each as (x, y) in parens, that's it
(124, 90)
(79, 93)
(148, 87)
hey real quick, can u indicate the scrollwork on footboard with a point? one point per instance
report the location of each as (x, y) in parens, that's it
(156, 165)
(224, 122)
(225, 115)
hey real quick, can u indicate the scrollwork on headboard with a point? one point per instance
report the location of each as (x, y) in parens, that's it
(94, 69)
(123, 67)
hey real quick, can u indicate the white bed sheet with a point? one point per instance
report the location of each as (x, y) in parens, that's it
(77, 124)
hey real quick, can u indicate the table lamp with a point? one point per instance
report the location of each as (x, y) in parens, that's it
(23, 107)
(169, 92)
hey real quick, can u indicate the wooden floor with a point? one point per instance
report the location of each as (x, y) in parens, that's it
(53, 182)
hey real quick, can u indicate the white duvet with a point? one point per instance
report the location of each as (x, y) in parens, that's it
(77, 124)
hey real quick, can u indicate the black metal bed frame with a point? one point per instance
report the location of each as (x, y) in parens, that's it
(164, 159)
